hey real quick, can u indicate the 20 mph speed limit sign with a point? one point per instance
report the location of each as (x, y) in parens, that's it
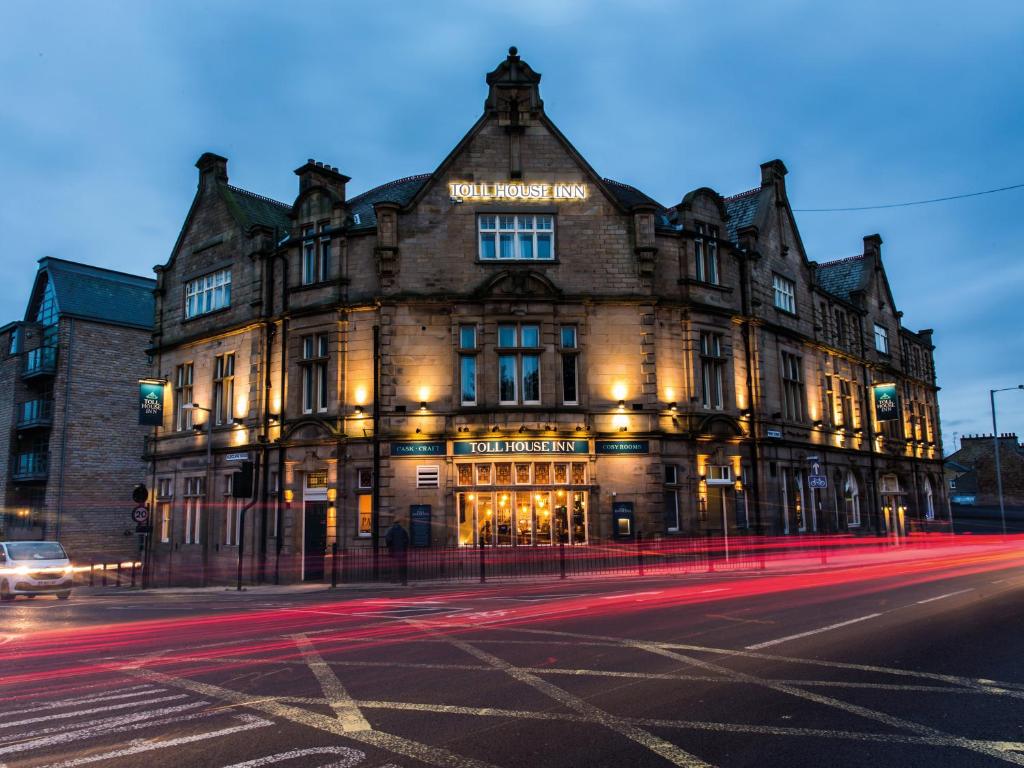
(140, 514)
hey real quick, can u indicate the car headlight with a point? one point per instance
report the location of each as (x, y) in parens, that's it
(21, 570)
(69, 569)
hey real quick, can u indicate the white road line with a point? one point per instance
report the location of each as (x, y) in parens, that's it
(79, 712)
(943, 597)
(346, 710)
(627, 594)
(415, 750)
(138, 690)
(787, 638)
(249, 722)
(101, 727)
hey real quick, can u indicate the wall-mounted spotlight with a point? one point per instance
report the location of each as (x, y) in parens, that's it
(273, 417)
(673, 407)
(622, 405)
(579, 427)
(745, 412)
(418, 430)
(495, 428)
(423, 405)
(522, 428)
(239, 421)
(358, 410)
(819, 423)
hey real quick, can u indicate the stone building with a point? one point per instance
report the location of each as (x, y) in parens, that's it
(72, 449)
(970, 473)
(560, 359)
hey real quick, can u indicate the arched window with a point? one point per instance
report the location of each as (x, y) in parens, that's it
(929, 500)
(851, 501)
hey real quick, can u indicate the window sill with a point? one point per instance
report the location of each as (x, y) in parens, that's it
(704, 284)
(312, 286)
(204, 315)
(499, 262)
(785, 312)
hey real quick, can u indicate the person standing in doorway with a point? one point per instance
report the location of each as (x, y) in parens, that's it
(397, 541)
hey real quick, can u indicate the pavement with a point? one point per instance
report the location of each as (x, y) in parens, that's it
(879, 658)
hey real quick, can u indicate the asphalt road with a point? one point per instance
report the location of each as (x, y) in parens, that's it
(898, 659)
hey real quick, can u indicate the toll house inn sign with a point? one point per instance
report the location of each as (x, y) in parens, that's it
(517, 191)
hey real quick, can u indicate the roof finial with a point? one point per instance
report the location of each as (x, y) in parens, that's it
(513, 52)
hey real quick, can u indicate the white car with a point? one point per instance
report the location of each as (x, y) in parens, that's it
(34, 568)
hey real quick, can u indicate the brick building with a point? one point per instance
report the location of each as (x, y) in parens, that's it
(971, 471)
(69, 371)
(560, 359)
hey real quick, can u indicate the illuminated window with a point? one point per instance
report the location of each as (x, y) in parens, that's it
(223, 388)
(851, 501)
(785, 293)
(365, 514)
(208, 293)
(712, 365)
(705, 247)
(193, 496)
(794, 405)
(519, 364)
(516, 237)
(183, 397)
(570, 365)
(929, 500)
(314, 373)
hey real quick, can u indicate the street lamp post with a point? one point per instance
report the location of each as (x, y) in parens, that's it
(209, 482)
(995, 441)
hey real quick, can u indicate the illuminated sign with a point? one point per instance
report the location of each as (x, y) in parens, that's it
(151, 402)
(621, 447)
(886, 404)
(418, 448)
(478, 447)
(517, 191)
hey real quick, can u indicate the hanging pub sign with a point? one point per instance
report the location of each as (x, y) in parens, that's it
(151, 402)
(886, 404)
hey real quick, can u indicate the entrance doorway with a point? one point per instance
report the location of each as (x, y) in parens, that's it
(315, 540)
(893, 505)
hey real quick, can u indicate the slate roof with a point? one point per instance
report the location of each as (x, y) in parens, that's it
(100, 294)
(399, 191)
(841, 277)
(628, 195)
(251, 209)
(741, 209)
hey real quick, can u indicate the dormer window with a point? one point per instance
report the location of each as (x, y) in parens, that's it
(516, 237)
(881, 339)
(705, 247)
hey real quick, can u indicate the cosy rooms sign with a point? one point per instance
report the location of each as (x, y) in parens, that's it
(516, 190)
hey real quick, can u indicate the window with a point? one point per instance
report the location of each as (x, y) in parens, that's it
(314, 373)
(671, 498)
(570, 366)
(428, 476)
(785, 293)
(275, 493)
(851, 501)
(195, 490)
(705, 247)
(881, 339)
(793, 403)
(316, 254)
(364, 502)
(15, 341)
(528, 238)
(467, 364)
(711, 366)
(208, 293)
(518, 364)
(364, 478)
(164, 491)
(840, 327)
(223, 388)
(232, 513)
(929, 500)
(719, 473)
(183, 397)
(846, 403)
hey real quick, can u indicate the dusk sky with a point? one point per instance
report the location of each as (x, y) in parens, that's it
(106, 106)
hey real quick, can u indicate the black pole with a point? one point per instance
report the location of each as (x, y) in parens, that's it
(241, 525)
(334, 562)
(375, 493)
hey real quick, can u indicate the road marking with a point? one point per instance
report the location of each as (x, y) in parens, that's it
(627, 594)
(656, 744)
(422, 752)
(349, 757)
(943, 597)
(122, 693)
(80, 712)
(249, 722)
(810, 632)
(346, 710)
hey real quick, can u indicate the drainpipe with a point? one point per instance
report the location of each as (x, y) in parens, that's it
(375, 521)
(281, 415)
(748, 353)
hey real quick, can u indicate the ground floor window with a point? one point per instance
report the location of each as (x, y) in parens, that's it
(164, 511)
(364, 513)
(851, 501)
(195, 489)
(522, 517)
(929, 500)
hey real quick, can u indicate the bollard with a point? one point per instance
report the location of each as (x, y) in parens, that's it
(561, 559)
(483, 566)
(639, 555)
(334, 565)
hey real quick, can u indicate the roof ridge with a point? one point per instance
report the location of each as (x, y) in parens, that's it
(82, 267)
(743, 194)
(264, 198)
(843, 260)
(386, 184)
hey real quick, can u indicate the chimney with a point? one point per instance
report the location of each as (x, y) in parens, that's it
(317, 174)
(873, 247)
(772, 171)
(213, 169)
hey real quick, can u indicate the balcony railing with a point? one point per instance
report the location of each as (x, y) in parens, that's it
(41, 361)
(35, 413)
(28, 467)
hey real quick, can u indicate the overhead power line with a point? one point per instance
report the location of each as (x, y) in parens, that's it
(904, 205)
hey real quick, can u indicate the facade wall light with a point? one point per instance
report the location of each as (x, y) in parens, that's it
(423, 405)
(673, 407)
